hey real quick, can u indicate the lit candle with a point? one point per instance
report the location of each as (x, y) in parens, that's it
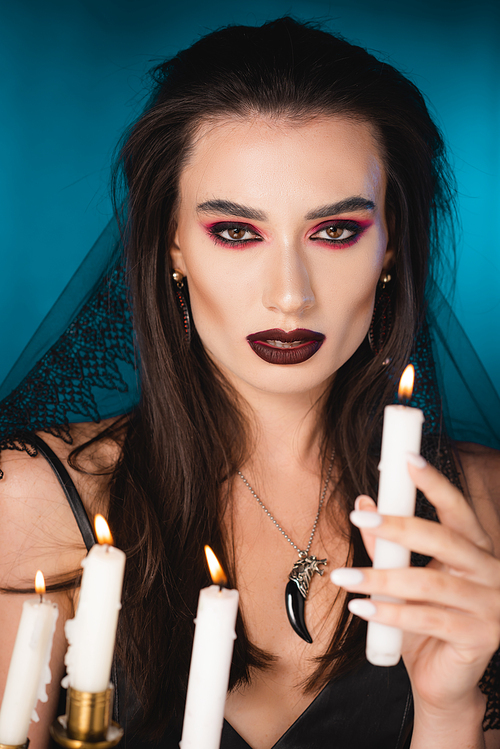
(91, 634)
(396, 496)
(29, 671)
(210, 661)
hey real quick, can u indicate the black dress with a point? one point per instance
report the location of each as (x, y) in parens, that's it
(369, 708)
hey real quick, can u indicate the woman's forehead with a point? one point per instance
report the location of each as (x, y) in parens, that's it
(263, 158)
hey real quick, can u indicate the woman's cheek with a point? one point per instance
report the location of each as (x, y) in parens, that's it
(216, 309)
(205, 306)
(352, 317)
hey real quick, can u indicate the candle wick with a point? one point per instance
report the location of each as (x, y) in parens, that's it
(41, 597)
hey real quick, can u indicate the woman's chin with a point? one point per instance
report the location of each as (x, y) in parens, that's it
(279, 380)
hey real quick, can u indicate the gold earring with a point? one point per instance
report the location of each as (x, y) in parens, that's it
(178, 277)
(385, 279)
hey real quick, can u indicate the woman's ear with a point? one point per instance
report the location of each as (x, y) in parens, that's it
(177, 258)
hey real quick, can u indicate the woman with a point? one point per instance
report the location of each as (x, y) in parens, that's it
(280, 184)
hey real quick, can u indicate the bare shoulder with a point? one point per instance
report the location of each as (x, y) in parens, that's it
(90, 463)
(38, 529)
(481, 467)
(481, 473)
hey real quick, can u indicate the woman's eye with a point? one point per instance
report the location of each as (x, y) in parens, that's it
(335, 232)
(237, 233)
(234, 233)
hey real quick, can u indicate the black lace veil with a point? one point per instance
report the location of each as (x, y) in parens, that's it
(81, 364)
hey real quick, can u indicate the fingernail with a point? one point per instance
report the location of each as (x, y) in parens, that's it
(363, 519)
(416, 460)
(357, 503)
(362, 607)
(347, 576)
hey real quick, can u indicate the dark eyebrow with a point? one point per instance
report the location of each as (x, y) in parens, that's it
(230, 209)
(343, 206)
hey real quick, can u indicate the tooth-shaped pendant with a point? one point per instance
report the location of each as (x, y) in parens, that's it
(297, 590)
(295, 609)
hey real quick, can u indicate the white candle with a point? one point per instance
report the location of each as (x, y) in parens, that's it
(210, 665)
(396, 496)
(29, 671)
(91, 634)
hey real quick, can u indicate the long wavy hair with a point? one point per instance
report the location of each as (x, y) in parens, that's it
(187, 438)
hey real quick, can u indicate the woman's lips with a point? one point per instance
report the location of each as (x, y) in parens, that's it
(278, 347)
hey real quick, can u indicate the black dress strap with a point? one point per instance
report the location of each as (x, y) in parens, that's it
(68, 487)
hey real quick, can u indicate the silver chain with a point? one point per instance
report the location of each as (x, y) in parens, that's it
(301, 552)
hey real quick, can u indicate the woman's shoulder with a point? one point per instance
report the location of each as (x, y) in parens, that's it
(38, 529)
(480, 468)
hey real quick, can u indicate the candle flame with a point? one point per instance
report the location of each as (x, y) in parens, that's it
(216, 572)
(40, 582)
(102, 530)
(406, 383)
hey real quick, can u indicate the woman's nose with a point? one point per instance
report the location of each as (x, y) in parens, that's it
(287, 284)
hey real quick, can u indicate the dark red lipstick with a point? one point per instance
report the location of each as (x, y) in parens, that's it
(275, 346)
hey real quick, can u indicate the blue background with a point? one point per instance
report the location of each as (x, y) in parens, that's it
(72, 75)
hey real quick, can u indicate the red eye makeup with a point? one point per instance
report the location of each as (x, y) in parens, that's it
(340, 232)
(233, 233)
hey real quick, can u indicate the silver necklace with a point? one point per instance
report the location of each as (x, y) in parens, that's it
(299, 579)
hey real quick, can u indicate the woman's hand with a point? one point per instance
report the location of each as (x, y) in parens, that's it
(451, 618)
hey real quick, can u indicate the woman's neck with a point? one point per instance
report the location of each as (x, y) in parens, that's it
(287, 430)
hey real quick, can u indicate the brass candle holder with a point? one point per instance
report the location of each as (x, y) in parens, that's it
(87, 723)
(15, 746)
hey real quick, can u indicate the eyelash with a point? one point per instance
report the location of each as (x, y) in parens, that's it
(216, 230)
(355, 227)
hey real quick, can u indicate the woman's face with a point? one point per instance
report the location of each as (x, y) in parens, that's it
(282, 236)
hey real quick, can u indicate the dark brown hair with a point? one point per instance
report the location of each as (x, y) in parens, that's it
(188, 435)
